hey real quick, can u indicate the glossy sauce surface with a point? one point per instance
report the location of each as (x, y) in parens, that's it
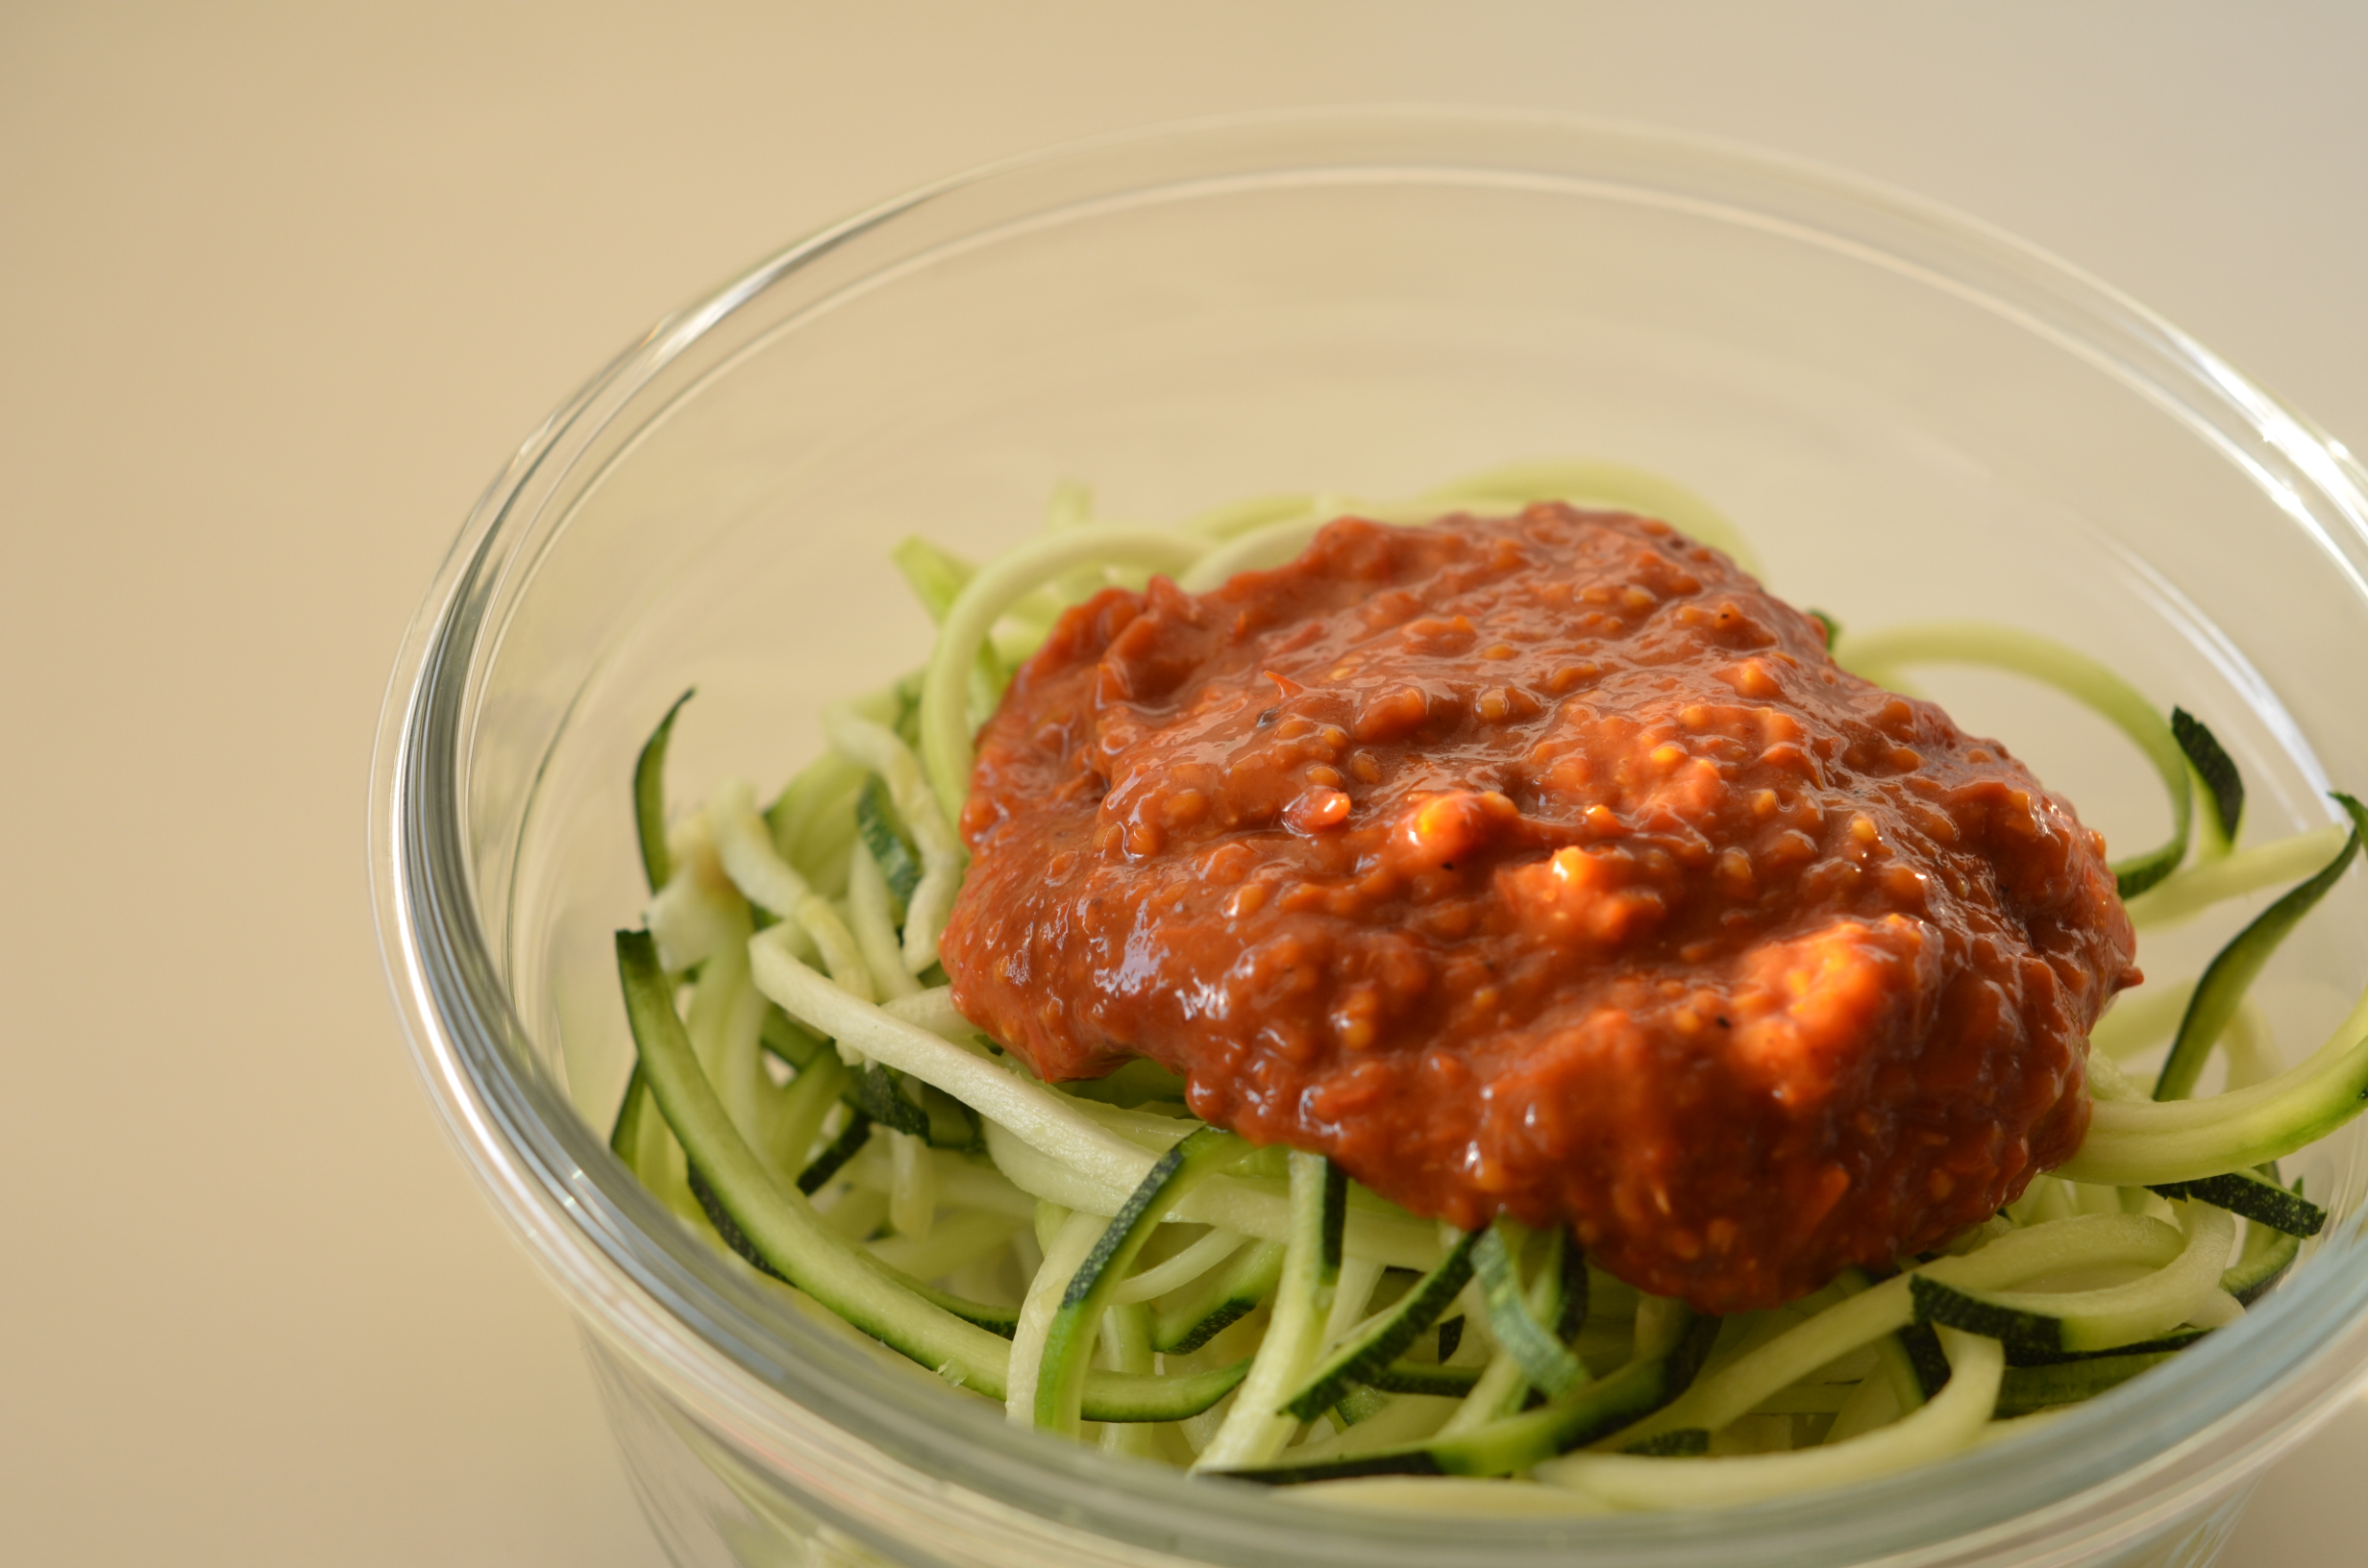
(1545, 865)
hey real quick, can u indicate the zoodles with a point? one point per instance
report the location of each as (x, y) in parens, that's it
(1110, 1269)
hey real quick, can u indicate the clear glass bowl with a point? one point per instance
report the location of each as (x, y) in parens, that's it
(1909, 415)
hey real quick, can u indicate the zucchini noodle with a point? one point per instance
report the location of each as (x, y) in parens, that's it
(1095, 1261)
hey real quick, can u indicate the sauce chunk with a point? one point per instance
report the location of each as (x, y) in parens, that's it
(1545, 865)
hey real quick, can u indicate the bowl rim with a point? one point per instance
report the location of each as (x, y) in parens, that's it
(680, 1314)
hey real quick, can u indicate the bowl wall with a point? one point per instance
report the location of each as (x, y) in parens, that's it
(1907, 416)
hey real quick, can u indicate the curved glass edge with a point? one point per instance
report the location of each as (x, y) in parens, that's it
(683, 1316)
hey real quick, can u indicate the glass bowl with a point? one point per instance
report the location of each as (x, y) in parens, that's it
(1907, 414)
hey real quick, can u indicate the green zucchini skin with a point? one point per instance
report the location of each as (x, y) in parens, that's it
(1367, 1357)
(1001, 1321)
(2168, 1344)
(1679, 1442)
(1230, 1293)
(845, 1148)
(1451, 1335)
(1573, 1316)
(1060, 1384)
(2017, 1330)
(1422, 1377)
(657, 864)
(879, 1093)
(2267, 1254)
(886, 1096)
(1543, 1358)
(2224, 787)
(2028, 1389)
(1334, 1222)
(728, 1228)
(875, 820)
(2233, 969)
(2255, 1198)
(1926, 1359)
(2249, 1284)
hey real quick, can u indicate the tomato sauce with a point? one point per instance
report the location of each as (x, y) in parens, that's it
(1545, 865)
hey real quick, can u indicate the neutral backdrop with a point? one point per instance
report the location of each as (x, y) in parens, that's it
(280, 288)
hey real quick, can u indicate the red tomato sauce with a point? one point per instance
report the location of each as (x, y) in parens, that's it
(1545, 865)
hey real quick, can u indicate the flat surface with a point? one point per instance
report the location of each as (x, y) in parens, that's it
(284, 284)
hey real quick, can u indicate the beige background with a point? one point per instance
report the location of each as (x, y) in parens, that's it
(283, 284)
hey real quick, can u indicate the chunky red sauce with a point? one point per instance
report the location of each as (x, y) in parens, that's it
(1547, 865)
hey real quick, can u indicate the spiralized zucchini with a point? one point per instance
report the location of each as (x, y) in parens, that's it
(805, 1095)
